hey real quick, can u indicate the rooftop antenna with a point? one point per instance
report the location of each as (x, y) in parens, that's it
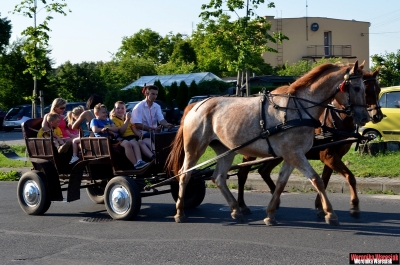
(306, 20)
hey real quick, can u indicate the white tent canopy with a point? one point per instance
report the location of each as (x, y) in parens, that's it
(167, 80)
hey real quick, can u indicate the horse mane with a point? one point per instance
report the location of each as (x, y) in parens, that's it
(176, 156)
(309, 78)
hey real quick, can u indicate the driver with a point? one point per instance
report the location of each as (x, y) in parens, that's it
(147, 114)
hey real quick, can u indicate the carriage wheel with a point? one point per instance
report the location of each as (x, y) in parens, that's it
(122, 198)
(194, 195)
(32, 192)
(96, 193)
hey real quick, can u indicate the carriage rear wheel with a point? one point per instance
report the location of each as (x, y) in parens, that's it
(122, 198)
(194, 195)
(32, 192)
(96, 192)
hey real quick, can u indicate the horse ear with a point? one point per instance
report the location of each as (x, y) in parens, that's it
(362, 65)
(355, 68)
(376, 72)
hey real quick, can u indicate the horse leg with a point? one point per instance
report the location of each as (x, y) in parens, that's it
(242, 178)
(192, 155)
(265, 172)
(284, 174)
(333, 159)
(326, 175)
(219, 178)
(302, 164)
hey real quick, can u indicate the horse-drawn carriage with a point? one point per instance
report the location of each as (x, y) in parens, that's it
(222, 123)
(104, 171)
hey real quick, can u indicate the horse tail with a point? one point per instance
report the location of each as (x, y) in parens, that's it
(176, 156)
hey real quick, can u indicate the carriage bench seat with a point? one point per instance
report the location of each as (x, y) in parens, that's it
(101, 149)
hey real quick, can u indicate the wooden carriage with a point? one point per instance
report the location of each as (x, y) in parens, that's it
(103, 170)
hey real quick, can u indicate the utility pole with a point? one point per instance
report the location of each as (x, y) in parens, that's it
(35, 94)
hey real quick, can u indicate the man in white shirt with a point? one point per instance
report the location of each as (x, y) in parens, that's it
(147, 114)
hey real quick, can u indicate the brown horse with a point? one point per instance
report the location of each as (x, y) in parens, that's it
(287, 118)
(331, 157)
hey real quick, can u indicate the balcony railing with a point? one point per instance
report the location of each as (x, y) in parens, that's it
(316, 51)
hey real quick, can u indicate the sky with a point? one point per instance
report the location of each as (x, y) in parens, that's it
(94, 30)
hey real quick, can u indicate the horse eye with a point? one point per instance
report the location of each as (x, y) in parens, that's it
(357, 88)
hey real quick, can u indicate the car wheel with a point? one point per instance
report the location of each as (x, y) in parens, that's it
(374, 133)
(32, 192)
(8, 129)
(122, 198)
(194, 194)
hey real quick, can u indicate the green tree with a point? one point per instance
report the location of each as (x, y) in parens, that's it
(36, 46)
(224, 46)
(148, 44)
(162, 95)
(172, 93)
(192, 90)
(5, 33)
(302, 67)
(15, 85)
(182, 97)
(389, 64)
(76, 82)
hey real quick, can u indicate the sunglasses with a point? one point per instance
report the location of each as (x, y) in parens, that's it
(61, 107)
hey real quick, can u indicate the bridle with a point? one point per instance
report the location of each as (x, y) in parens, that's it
(377, 106)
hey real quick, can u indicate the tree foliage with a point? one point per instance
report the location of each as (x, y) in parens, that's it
(389, 65)
(37, 37)
(232, 45)
(5, 33)
(303, 66)
(16, 86)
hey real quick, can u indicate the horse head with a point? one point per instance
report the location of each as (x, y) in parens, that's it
(351, 95)
(372, 90)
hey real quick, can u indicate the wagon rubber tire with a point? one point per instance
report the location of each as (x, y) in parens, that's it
(122, 198)
(96, 193)
(32, 192)
(194, 194)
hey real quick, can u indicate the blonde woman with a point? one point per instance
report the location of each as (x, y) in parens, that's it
(58, 106)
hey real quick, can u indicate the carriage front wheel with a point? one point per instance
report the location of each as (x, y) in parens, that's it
(32, 192)
(194, 195)
(96, 192)
(122, 198)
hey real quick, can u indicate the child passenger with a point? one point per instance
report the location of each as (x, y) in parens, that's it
(53, 120)
(128, 130)
(102, 123)
(72, 116)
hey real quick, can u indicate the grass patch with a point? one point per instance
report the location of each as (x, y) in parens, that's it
(10, 176)
(20, 150)
(386, 192)
(364, 166)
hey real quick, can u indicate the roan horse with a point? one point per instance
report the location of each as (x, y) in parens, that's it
(286, 120)
(331, 156)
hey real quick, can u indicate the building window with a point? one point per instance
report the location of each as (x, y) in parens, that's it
(327, 42)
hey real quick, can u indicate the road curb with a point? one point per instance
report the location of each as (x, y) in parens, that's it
(337, 184)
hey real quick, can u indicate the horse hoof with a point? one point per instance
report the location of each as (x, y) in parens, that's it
(237, 216)
(180, 219)
(334, 222)
(270, 222)
(245, 210)
(355, 213)
(320, 214)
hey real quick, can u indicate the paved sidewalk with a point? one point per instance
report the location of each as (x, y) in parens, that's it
(337, 183)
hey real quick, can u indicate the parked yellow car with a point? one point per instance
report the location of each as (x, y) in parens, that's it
(389, 128)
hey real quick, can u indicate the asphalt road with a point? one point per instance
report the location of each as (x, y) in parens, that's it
(12, 138)
(81, 232)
